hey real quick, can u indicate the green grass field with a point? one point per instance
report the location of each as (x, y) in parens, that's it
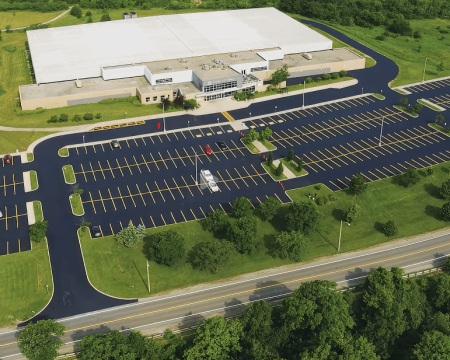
(77, 205)
(69, 175)
(34, 180)
(63, 152)
(119, 271)
(291, 165)
(24, 18)
(30, 157)
(12, 140)
(22, 285)
(379, 96)
(38, 214)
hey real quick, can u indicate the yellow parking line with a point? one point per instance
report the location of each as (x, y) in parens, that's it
(112, 200)
(160, 192)
(154, 202)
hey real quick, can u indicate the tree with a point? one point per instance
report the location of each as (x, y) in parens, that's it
(252, 135)
(268, 209)
(241, 207)
(440, 68)
(417, 107)
(36, 342)
(88, 13)
(439, 118)
(302, 216)
(430, 170)
(404, 101)
(279, 75)
(211, 255)
(445, 212)
(63, 118)
(37, 231)
(89, 20)
(291, 245)
(410, 177)
(216, 221)
(279, 169)
(290, 155)
(358, 348)
(98, 115)
(217, 339)
(8, 28)
(400, 26)
(439, 290)
(326, 76)
(390, 229)
(444, 190)
(270, 160)
(265, 133)
(168, 247)
(357, 184)
(342, 73)
(131, 235)
(76, 11)
(300, 164)
(308, 80)
(352, 213)
(433, 346)
(316, 315)
(78, 191)
(166, 102)
(243, 233)
(105, 17)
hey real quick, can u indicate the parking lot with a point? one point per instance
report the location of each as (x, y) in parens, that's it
(431, 85)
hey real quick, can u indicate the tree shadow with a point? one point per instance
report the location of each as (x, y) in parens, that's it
(79, 334)
(147, 249)
(433, 211)
(378, 226)
(432, 190)
(445, 169)
(190, 320)
(233, 307)
(397, 180)
(338, 214)
(439, 259)
(356, 276)
(270, 244)
(269, 290)
(422, 172)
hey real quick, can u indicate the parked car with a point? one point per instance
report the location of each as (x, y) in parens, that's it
(95, 230)
(207, 149)
(7, 159)
(115, 144)
(222, 146)
(209, 180)
(213, 186)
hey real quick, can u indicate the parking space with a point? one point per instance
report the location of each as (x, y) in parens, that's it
(438, 84)
(443, 100)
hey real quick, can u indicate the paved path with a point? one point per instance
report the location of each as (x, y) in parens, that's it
(45, 22)
(286, 172)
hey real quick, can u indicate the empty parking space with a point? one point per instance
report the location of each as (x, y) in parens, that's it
(431, 85)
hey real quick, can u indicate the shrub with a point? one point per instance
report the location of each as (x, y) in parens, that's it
(334, 76)
(63, 118)
(53, 119)
(326, 76)
(76, 117)
(401, 27)
(443, 31)
(444, 190)
(131, 235)
(88, 116)
(37, 231)
(417, 34)
(357, 184)
(76, 11)
(116, 100)
(308, 80)
(342, 73)
(390, 229)
(270, 88)
(352, 213)
(88, 13)
(89, 20)
(240, 95)
(430, 170)
(105, 17)
(380, 37)
(318, 186)
(318, 79)
(331, 197)
(98, 115)
(321, 200)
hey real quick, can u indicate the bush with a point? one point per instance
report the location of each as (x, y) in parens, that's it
(116, 100)
(335, 76)
(240, 95)
(76, 11)
(98, 115)
(76, 117)
(88, 13)
(401, 27)
(168, 247)
(308, 80)
(321, 200)
(63, 118)
(410, 177)
(331, 197)
(37, 231)
(270, 88)
(430, 171)
(326, 76)
(105, 17)
(53, 119)
(390, 229)
(89, 20)
(443, 31)
(131, 235)
(444, 190)
(318, 79)
(342, 73)
(88, 116)
(380, 37)
(417, 34)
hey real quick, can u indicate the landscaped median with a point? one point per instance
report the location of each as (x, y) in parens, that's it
(406, 110)
(76, 204)
(63, 152)
(69, 175)
(429, 105)
(119, 271)
(37, 208)
(379, 96)
(34, 180)
(258, 142)
(439, 128)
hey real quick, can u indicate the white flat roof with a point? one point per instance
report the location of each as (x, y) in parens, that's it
(79, 51)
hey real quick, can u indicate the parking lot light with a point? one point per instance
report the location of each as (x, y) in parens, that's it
(218, 120)
(275, 108)
(250, 114)
(83, 138)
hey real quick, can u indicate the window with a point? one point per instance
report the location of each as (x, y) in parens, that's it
(147, 99)
(174, 94)
(262, 68)
(162, 97)
(216, 87)
(155, 98)
(164, 81)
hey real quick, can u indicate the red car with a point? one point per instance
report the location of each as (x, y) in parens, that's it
(207, 149)
(7, 159)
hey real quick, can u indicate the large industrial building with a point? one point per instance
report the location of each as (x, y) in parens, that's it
(206, 56)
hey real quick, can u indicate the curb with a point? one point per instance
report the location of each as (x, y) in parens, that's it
(259, 151)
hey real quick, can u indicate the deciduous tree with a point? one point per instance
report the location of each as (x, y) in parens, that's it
(241, 207)
(265, 133)
(252, 135)
(352, 213)
(37, 231)
(211, 255)
(410, 177)
(168, 247)
(268, 209)
(444, 190)
(216, 221)
(445, 211)
(357, 184)
(302, 216)
(243, 234)
(291, 245)
(279, 75)
(433, 346)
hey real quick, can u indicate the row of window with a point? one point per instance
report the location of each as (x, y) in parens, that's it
(164, 81)
(162, 97)
(262, 68)
(215, 87)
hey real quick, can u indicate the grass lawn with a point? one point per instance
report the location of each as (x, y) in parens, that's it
(30, 157)
(291, 165)
(69, 175)
(38, 214)
(34, 180)
(424, 103)
(250, 146)
(379, 96)
(77, 205)
(25, 18)
(268, 144)
(300, 86)
(404, 51)
(271, 170)
(22, 285)
(439, 128)
(12, 140)
(63, 152)
(409, 112)
(114, 269)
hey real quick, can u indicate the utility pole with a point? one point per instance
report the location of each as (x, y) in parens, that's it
(423, 77)
(304, 88)
(381, 132)
(148, 278)
(164, 120)
(340, 233)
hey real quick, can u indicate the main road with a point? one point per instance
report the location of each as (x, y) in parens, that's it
(182, 309)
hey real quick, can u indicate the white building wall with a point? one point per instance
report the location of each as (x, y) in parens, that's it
(248, 66)
(123, 72)
(176, 76)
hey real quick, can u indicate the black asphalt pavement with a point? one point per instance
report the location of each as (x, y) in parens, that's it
(151, 179)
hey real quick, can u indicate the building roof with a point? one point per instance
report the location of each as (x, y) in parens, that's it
(79, 51)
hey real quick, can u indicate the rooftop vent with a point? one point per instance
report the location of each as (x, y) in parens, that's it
(125, 15)
(169, 68)
(78, 84)
(183, 61)
(205, 67)
(307, 56)
(233, 55)
(133, 15)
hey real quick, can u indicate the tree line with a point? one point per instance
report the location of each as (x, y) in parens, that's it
(42, 6)
(389, 316)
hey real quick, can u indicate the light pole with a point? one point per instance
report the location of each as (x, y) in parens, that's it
(304, 88)
(164, 120)
(196, 172)
(188, 123)
(249, 114)
(381, 132)
(275, 108)
(148, 278)
(340, 234)
(423, 77)
(218, 120)
(125, 114)
(362, 90)
(83, 138)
